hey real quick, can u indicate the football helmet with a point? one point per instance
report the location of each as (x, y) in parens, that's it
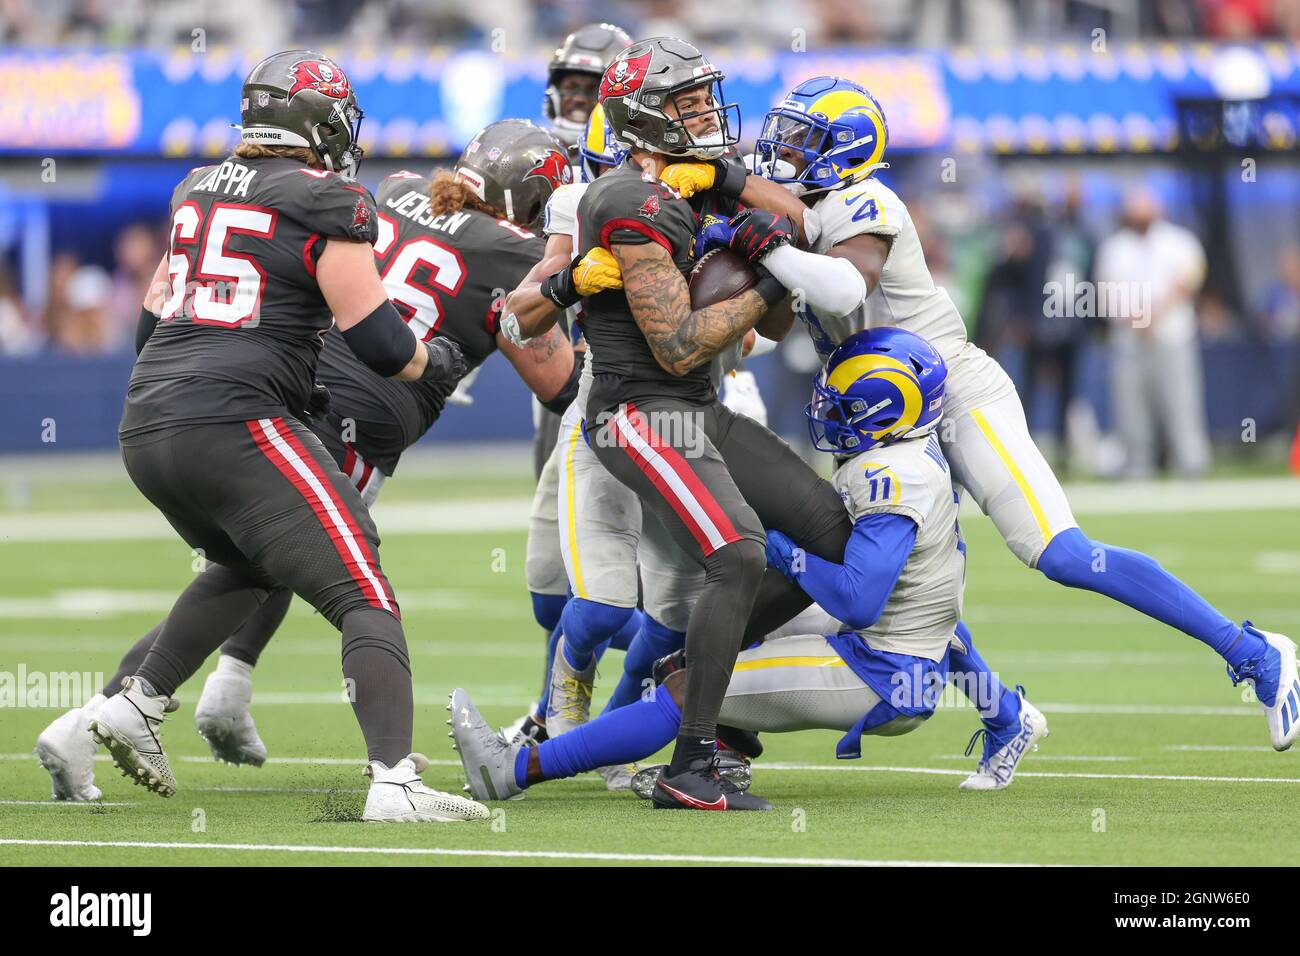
(646, 78)
(833, 125)
(599, 146)
(878, 386)
(301, 98)
(515, 165)
(586, 50)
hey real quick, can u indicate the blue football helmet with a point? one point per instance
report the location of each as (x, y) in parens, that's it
(833, 126)
(878, 386)
(599, 147)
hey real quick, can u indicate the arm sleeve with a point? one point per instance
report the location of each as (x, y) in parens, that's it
(144, 327)
(856, 591)
(833, 287)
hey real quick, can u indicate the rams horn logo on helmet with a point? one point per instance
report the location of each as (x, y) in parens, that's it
(553, 167)
(625, 76)
(319, 76)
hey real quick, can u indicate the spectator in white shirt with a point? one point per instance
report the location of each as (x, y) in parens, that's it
(1147, 275)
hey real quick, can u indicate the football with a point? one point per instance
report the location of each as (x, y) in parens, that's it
(719, 275)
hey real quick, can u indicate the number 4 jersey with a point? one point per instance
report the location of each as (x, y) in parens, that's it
(241, 327)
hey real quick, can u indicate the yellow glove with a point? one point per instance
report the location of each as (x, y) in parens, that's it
(689, 178)
(597, 271)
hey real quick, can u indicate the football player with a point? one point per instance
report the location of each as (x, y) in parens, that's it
(714, 479)
(898, 592)
(573, 79)
(445, 249)
(867, 268)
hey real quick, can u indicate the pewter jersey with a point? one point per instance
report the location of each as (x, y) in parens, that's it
(561, 219)
(911, 478)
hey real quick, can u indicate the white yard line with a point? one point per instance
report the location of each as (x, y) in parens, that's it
(62, 803)
(1220, 748)
(1080, 758)
(506, 854)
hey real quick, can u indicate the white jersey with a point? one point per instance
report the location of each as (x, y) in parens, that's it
(561, 219)
(905, 297)
(911, 478)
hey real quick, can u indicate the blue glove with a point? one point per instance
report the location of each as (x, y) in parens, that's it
(716, 235)
(782, 553)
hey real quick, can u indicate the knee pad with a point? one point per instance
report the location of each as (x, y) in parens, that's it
(547, 609)
(1068, 558)
(587, 624)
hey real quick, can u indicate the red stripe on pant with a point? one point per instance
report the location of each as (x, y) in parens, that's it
(376, 597)
(696, 489)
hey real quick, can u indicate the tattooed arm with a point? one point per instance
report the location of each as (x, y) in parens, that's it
(545, 363)
(534, 312)
(680, 338)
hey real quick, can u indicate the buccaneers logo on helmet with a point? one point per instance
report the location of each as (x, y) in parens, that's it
(319, 76)
(625, 76)
(553, 167)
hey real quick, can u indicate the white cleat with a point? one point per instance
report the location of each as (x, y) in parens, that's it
(618, 777)
(570, 702)
(1277, 687)
(130, 726)
(1003, 752)
(67, 751)
(398, 795)
(223, 720)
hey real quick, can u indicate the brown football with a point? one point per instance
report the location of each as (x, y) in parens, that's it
(720, 274)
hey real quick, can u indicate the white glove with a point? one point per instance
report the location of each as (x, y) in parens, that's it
(509, 327)
(740, 394)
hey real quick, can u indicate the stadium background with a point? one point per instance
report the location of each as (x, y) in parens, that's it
(1006, 120)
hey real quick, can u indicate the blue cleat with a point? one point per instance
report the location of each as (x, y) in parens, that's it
(1276, 685)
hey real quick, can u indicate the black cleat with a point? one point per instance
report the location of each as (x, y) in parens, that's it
(733, 768)
(530, 733)
(702, 787)
(743, 742)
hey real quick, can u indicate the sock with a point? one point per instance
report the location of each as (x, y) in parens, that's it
(230, 666)
(378, 670)
(207, 612)
(248, 642)
(547, 609)
(587, 625)
(652, 642)
(544, 699)
(628, 734)
(689, 748)
(1137, 580)
(999, 706)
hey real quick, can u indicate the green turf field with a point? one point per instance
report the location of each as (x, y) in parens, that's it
(1153, 758)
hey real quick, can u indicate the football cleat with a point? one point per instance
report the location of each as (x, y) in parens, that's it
(130, 726)
(744, 742)
(702, 787)
(223, 720)
(488, 760)
(618, 777)
(67, 752)
(570, 702)
(398, 795)
(1277, 688)
(1003, 750)
(732, 767)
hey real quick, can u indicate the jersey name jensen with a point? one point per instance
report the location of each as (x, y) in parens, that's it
(414, 205)
(230, 178)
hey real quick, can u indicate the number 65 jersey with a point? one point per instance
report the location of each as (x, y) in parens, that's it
(240, 329)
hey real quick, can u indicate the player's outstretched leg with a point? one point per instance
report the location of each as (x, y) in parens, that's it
(1012, 725)
(1266, 660)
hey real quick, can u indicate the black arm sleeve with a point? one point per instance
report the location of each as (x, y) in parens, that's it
(382, 340)
(568, 391)
(144, 327)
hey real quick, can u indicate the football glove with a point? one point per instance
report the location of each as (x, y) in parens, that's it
(716, 235)
(689, 178)
(597, 271)
(783, 554)
(446, 362)
(509, 327)
(758, 232)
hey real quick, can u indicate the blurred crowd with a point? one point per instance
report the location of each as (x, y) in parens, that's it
(529, 23)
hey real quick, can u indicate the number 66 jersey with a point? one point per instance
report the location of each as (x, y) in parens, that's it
(240, 329)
